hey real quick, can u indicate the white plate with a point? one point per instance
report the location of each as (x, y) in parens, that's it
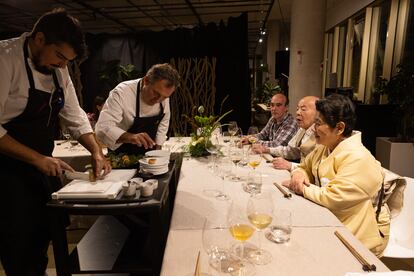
(157, 172)
(159, 162)
(158, 153)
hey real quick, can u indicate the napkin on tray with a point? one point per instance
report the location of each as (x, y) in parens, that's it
(108, 187)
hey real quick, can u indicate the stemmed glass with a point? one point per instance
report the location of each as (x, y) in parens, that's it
(259, 212)
(236, 155)
(213, 146)
(241, 230)
(224, 169)
(253, 130)
(254, 160)
(232, 129)
(216, 242)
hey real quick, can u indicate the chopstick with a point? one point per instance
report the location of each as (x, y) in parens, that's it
(365, 265)
(285, 193)
(267, 157)
(197, 267)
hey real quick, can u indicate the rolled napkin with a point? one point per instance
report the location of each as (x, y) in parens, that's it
(392, 273)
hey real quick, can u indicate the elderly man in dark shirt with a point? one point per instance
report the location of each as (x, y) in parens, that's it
(281, 127)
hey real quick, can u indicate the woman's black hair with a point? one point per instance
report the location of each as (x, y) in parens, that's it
(337, 108)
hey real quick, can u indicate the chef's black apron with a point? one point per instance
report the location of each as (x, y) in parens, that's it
(141, 124)
(24, 235)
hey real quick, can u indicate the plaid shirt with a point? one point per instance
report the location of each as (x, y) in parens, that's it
(278, 134)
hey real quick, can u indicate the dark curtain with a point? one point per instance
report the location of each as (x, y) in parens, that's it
(226, 42)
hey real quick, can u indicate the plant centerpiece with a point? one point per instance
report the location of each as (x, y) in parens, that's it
(203, 126)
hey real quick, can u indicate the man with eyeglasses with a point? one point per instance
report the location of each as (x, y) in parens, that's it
(35, 92)
(281, 126)
(136, 115)
(302, 143)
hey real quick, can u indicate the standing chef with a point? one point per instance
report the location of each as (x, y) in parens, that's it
(35, 92)
(136, 115)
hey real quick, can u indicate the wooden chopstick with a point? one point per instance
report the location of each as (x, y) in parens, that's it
(365, 265)
(197, 267)
(283, 191)
(267, 157)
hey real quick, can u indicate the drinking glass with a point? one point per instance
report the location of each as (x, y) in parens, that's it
(254, 160)
(216, 242)
(232, 129)
(236, 155)
(66, 134)
(253, 183)
(253, 130)
(212, 145)
(281, 228)
(224, 169)
(259, 212)
(241, 230)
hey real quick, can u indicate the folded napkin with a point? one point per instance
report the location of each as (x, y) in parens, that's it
(108, 187)
(392, 273)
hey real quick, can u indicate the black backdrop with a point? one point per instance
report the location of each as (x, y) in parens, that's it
(226, 42)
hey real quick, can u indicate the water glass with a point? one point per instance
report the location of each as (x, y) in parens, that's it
(281, 228)
(253, 183)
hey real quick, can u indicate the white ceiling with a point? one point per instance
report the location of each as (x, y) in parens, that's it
(118, 16)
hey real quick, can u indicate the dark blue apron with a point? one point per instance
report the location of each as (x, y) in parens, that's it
(142, 124)
(24, 235)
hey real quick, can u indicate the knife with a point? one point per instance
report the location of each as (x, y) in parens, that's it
(76, 175)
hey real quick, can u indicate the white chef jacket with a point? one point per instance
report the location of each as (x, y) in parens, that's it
(119, 111)
(14, 89)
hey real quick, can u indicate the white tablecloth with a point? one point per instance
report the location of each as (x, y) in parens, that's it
(313, 249)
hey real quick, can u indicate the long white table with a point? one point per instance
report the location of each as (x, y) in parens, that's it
(76, 156)
(312, 250)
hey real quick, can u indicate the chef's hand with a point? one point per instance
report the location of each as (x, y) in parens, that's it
(101, 166)
(141, 139)
(52, 166)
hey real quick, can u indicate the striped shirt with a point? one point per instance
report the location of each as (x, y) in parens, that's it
(278, 134)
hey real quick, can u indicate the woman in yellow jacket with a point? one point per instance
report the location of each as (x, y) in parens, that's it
(345, 175)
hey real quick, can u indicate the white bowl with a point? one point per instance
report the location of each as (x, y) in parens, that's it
(159, 162)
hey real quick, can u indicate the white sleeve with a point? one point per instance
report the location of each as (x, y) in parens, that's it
(72, 115)
(107, 128)
(164, 124)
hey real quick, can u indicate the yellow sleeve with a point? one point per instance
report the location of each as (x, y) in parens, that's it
(357, 179)
(306, 164)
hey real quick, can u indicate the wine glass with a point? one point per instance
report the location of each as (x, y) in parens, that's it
(66, 134)
(224, 169)
(241, 230)
(255, 160)
(213, 146)
(232, 129)
(253, 130)
(259, 212)
(236, 155)
(216, 242)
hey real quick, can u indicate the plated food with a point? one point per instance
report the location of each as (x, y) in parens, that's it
(122, 160)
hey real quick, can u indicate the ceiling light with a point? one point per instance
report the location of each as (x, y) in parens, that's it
(287, 49)
(260, 40)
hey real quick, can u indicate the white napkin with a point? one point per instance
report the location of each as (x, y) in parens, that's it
(392, 273)
(108, 187)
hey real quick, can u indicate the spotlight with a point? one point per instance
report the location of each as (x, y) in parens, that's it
(287, 49)
(260, 40)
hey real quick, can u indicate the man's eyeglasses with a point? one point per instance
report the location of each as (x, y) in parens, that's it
(276, 104)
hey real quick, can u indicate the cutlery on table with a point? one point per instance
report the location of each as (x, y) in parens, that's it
(285, 193)
(365, 265)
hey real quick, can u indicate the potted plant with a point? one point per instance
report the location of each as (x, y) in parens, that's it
(114, 73)
(397, 153)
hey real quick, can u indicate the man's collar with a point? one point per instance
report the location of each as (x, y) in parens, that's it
(282, 119)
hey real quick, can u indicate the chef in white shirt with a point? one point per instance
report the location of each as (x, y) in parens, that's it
(35, 92)
(136, 115)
